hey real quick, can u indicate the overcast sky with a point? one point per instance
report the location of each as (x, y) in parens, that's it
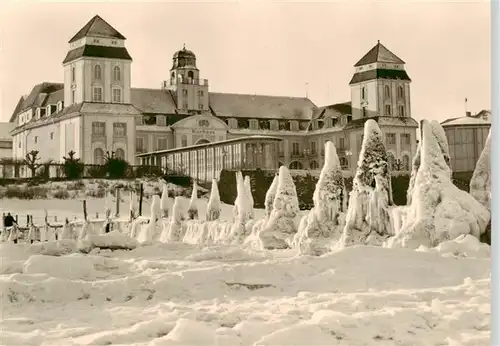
(266, 48)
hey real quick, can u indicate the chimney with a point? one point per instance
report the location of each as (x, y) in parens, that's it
(468, 114)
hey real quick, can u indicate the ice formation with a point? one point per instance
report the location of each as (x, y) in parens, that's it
(480, 184)
(174, 230)
(164, 202)
(213, 207)
(415, 165)
(368, 219)
(279, 230)
(270, 195)
(148, 234)
(134, 206)
(193, 207)
(440, 135)
(322, 225)
(439, 211)
(242, 212)
(248, 189)
(67, 231)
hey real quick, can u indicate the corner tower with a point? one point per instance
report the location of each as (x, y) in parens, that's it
(380, 85)
(97, 66)
(190, 91)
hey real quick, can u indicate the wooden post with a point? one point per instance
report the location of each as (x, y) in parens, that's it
(85, 209)
(141, 193)
(27, 219)
(117, 202)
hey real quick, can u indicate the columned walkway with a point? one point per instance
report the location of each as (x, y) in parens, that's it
(204, 162)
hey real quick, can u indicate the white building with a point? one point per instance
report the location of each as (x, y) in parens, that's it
(95, 110)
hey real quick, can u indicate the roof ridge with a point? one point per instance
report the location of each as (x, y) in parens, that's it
(260, 95)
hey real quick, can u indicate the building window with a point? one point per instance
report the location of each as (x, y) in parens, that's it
(363, 93)
(117, 74)
(387, 92)
(391, 160)
(406, 162)
(295, 148)
(341, 143)
(73, 74)
(72, 96)
(405, 139)
(52, 135)
(184, 92)
(401, 111)
(185, 106)
(363, 112)
(36, 139)
(184, 141)
(200, 93)
(97, 94)
(390, 138)
(97, 72)
(96, 40)
(162, 144)
(200, 106)
(387, 110)
(401, 92)
(313, 148)
(139, 145)
(120, 154)
(98, 128)
(117, 95)
(314, 165)
(98, 156)
(119, 129)
(114, 42)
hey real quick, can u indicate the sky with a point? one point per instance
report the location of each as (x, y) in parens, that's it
(264, 47)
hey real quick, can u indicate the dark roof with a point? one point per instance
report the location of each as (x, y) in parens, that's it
(156, 101)
(17, 109)
(379, 53)
(260, 106)
(332, 110)
(97, 27)
(54, 98)
(97, 52)
(184, 53)
(379, 73)
(36, 97)
(383, 120)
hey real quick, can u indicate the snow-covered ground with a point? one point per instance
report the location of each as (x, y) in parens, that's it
(179, 294)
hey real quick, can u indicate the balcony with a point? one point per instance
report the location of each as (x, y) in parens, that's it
(185, 81)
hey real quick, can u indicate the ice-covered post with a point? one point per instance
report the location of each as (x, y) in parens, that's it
(164, 202)
(248, 189)
(213, 207)
(367, 219)
(323, 225)
(141, 196)
(117, 202)
(85, 209)
(280, 228)
(193, 208)
(133, 205)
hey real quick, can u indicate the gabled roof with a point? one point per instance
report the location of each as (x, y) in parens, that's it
(379, 53)
(155, 101)
(17, 109)
(97, 27)
(260, 106)
(36, 97)
(333, 111)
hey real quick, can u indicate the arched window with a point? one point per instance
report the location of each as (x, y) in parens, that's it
(363, 93)
(172, 74)
(390, 160)
(401, 92)
(120, 154)
(73, 73)
(406, 163)
(190, 74)
(314, 165)
(117, 76)
(97, 72)
(344, 163)
(387, 92)
(98, 156)
(295, 165)
(202, 141)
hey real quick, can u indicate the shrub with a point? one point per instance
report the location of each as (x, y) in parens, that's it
(26, 192)
(61, 194)
(147, 171)
(97, 172)
(116, 168)
(72, 167)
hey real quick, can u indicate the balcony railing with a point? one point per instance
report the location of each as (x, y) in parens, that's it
(185, 81)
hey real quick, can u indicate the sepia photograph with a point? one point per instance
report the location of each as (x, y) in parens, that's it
(248, 173)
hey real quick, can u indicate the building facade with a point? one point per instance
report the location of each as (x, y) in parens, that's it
(5, 140)
(466, 138)
(96, 111)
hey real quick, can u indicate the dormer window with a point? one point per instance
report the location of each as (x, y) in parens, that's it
(47, 111)
(97, 72)
(59, 106)
(38, 113)
(96, 40)
(117, 74)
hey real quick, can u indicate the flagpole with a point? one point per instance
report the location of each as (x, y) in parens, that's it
(466, 106)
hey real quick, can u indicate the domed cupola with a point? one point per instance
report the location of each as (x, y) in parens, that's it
(184, 59)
